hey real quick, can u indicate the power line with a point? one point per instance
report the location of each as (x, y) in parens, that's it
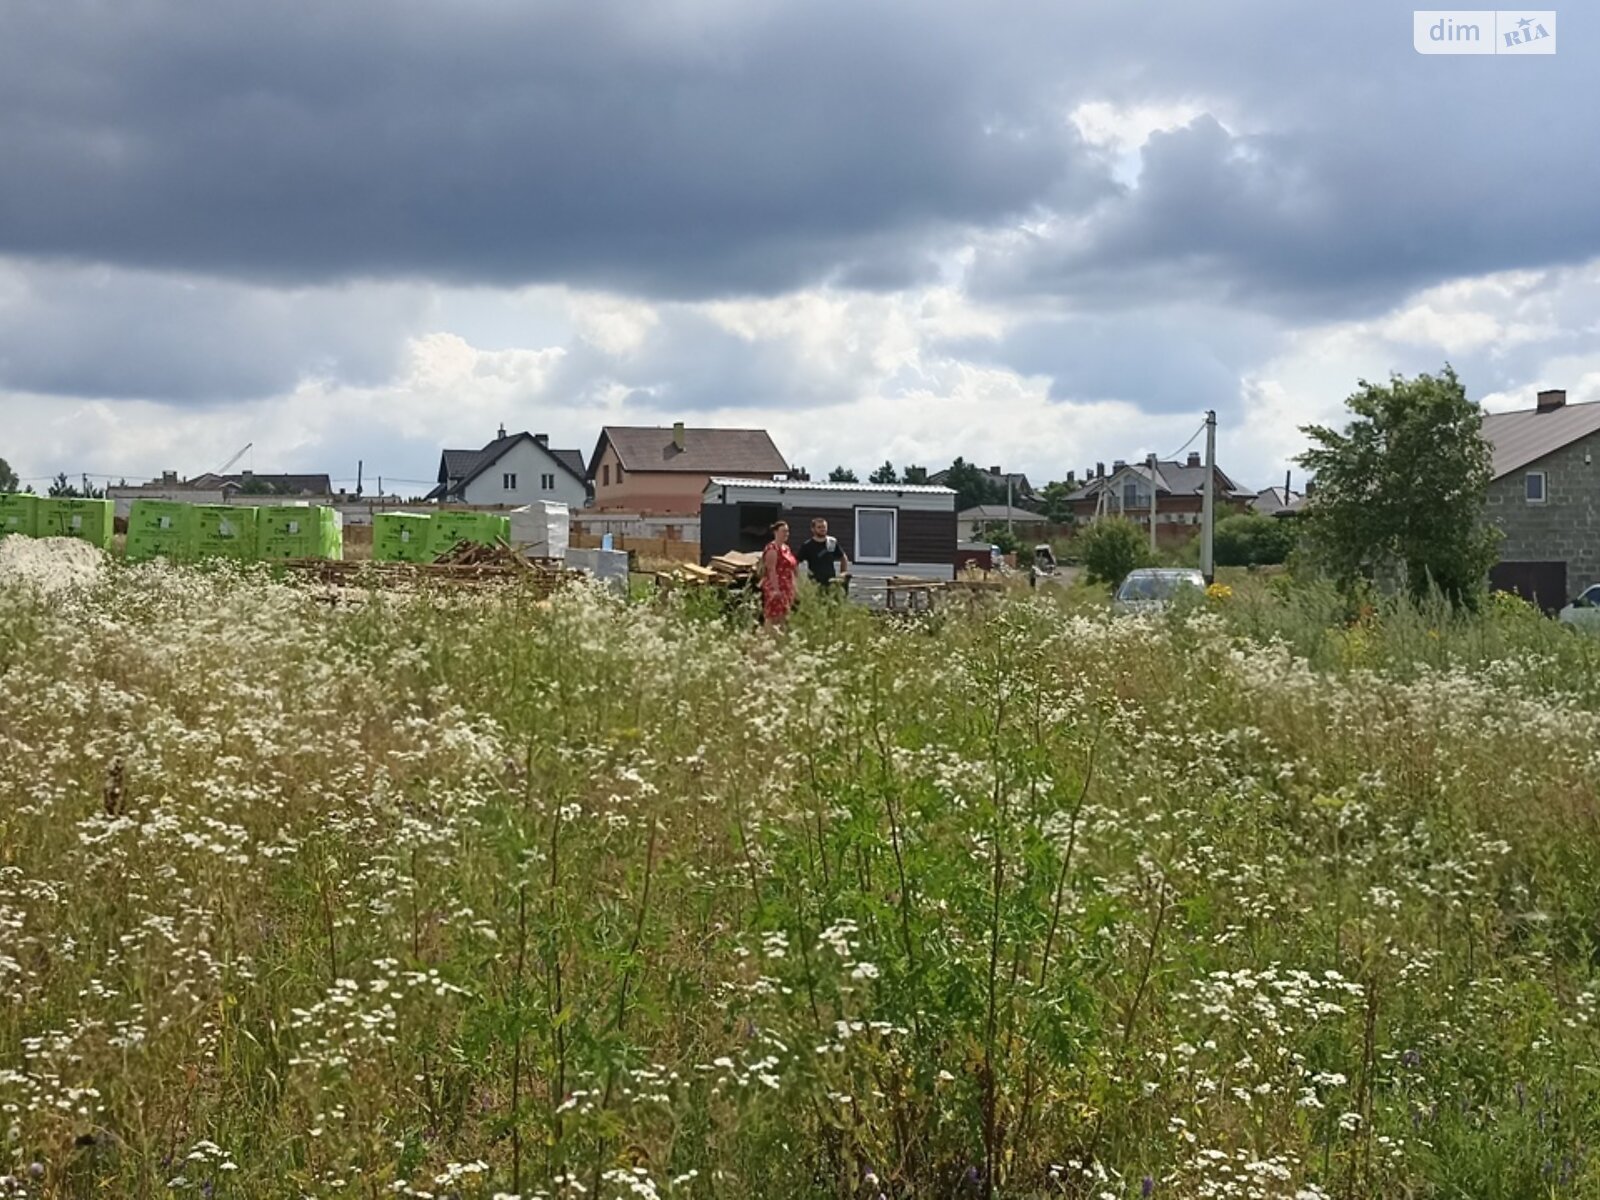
(1190, 442)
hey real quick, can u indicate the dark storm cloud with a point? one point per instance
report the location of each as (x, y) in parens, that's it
(690, 148)
(74, 331)
(1359, 191)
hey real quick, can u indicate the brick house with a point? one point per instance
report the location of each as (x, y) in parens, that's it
(658, 470)
(1179, 488)
(1544, 498)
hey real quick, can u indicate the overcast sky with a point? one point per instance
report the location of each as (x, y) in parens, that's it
(1037, 234)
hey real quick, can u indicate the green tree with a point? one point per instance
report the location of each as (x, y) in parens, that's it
(1402, 487)
(60, 487)
(257, 487)
(1111, 547)
(8, 477)
(915, 475)
(1253, 540)
(1053, 504)
(884, 474)
(972, 487)
(842, 475)
(997, 534)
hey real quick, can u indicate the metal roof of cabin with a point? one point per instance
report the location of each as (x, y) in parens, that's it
(817, 485)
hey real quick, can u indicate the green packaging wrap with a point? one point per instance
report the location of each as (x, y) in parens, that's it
(160, 529)
(402, 537)
(285, 531)
(92, 521)
(225, 531)
(18, 514)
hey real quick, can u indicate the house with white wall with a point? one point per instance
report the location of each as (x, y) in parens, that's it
(513, 469)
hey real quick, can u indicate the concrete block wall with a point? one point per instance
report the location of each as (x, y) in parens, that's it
(1566, 527)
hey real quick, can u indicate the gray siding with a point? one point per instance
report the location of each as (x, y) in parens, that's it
(1566, 527)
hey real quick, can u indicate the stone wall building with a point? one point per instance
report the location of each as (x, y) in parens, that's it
(1545, 499)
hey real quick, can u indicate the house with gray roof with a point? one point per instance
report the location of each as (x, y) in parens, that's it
(512, 470)
(1179, 485)
(1544, 497)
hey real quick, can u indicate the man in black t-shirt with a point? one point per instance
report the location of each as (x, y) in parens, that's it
(823, 555)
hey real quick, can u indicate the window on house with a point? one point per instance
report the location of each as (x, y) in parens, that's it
(877, 535)
(605, 475)
(620, 472)
(1533, 484)
(547, 483)
(509, 481)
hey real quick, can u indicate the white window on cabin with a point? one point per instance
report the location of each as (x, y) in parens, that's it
(509, 481)
(1533, 487)
(877, 535)
(547, 483)
(605, 475)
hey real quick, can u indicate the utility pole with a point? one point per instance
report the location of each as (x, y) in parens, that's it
(359, 465)
(1008, 503)
(1286, 475)
(1152, 462)
(1208, 505)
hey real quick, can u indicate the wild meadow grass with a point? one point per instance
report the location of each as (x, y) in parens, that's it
(463, 896)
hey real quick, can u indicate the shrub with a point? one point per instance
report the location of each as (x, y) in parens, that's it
(1253, 540)
(1112, 547)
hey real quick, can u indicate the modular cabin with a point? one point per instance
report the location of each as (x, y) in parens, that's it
(889, 530)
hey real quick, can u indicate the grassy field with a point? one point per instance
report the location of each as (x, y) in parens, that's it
(464, 896)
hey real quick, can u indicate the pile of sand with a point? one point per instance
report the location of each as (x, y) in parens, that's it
(49, 565)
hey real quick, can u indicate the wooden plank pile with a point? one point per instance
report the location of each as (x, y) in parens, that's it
(734, 570)
(467, 564)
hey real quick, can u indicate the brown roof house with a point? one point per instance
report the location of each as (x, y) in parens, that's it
(659, 470)
(1544, 497)
(1179, 496)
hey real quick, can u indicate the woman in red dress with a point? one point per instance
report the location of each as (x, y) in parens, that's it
(778, 565)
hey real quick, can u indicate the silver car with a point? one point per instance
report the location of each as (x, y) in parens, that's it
(1150, 589)
(1584, 611)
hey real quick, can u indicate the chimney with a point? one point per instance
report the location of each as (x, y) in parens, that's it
(677, 434)
(1551, 400)
(1099, 470)
(1194, 458)
(501, 435)
(247, 474)
(170, 478)
(542, 440)
(1118, 465)
(1072, 478)
(994, 470)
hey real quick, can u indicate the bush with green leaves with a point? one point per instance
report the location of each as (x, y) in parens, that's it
(1253, 540)
(1111, 547)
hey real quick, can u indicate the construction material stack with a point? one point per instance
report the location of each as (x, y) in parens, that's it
(18, 514)
(291, 531)
(402, 537)
(541, 529)
(160, 529)
(451, 528)
(92, 521)
(224, 531)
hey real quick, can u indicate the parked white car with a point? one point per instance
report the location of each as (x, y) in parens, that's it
(1150, 589)
(1585, 610)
